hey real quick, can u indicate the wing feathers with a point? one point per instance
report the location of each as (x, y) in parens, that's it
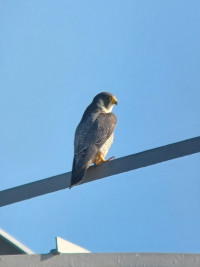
(90, 136)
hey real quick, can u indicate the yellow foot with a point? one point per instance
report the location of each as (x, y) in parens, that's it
(100, 158)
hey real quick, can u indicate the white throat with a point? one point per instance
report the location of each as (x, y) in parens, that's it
(100, 105)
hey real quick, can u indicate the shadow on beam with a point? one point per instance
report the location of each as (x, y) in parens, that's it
(120, 165)
(103, 260)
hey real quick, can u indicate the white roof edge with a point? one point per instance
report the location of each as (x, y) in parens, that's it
(16, 243)
(64, 246)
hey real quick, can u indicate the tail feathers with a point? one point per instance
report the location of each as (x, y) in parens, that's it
(77, 177)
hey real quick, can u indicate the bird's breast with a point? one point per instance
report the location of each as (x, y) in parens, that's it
(105, 147)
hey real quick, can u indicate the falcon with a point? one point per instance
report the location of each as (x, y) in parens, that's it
(93, 135)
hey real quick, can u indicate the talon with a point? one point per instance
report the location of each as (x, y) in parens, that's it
(100, 159)
(110, 158)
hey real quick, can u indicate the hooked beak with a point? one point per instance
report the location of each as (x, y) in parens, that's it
(114, 100)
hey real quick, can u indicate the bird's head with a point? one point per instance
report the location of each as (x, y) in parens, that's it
(105, 101)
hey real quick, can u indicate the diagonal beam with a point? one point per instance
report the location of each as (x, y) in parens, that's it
(120, 165)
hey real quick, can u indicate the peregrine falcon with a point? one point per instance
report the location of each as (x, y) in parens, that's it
(94, 135)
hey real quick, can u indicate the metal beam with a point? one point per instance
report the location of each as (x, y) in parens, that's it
(124, 164)
(103, 260)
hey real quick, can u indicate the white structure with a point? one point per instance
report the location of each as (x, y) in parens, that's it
(64, 246)
(10, 246)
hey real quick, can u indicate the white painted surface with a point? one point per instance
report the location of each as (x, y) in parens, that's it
(64, 246)
(15, 243)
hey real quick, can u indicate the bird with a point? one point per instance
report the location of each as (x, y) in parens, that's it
(93, 136)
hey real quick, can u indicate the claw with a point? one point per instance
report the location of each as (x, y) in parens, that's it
(110, 158)
(100, 159)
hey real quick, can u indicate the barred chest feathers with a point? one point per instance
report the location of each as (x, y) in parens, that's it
(105, 147)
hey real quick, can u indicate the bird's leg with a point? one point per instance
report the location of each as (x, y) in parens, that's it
(100, 158)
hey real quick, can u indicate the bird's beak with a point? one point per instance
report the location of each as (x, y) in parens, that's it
(114, 101)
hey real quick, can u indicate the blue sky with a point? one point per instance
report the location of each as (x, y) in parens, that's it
(55, 56)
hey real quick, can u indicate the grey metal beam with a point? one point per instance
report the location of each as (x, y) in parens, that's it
(124, 164)
(103, 260)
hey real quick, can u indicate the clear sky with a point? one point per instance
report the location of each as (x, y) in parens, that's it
(55, 56)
